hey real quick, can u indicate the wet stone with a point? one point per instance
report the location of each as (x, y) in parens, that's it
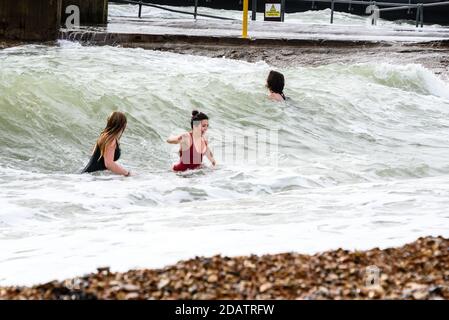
(335, 274)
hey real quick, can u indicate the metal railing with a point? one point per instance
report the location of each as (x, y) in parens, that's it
(374, 5)
(195, 14)
(388, 6)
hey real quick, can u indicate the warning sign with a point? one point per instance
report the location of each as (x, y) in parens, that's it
(272, 10)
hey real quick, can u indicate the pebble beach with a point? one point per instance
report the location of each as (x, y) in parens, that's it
(356, 159)
(419, 270)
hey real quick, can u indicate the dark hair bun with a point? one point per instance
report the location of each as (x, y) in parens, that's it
(197, 117)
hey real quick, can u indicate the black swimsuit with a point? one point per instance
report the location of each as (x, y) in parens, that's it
(96, 162)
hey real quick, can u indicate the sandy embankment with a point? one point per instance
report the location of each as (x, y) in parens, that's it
(432, 55)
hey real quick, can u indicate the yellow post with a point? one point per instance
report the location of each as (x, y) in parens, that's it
(245, 19)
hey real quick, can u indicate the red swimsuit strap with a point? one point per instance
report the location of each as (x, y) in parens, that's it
(181, 166)
(192, 148)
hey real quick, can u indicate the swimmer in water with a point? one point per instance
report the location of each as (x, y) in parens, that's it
(275, 85)
(107, 149)
(193, 144)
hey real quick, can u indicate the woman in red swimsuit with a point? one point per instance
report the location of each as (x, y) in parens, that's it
(193, 144)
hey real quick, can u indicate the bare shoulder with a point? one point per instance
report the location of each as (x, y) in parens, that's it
(275, 97)
(185, 140)
(112, 144)
(186, 137)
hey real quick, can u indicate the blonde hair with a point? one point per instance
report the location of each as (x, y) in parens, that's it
(116, 124)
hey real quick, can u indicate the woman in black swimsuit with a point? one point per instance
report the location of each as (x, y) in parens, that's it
(107, 150)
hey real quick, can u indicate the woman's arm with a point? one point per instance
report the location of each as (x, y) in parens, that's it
(175, 139)
(183, 139)
(210, 155)
(109, 160)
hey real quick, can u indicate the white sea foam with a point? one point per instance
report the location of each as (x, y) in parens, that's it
(361, 159)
